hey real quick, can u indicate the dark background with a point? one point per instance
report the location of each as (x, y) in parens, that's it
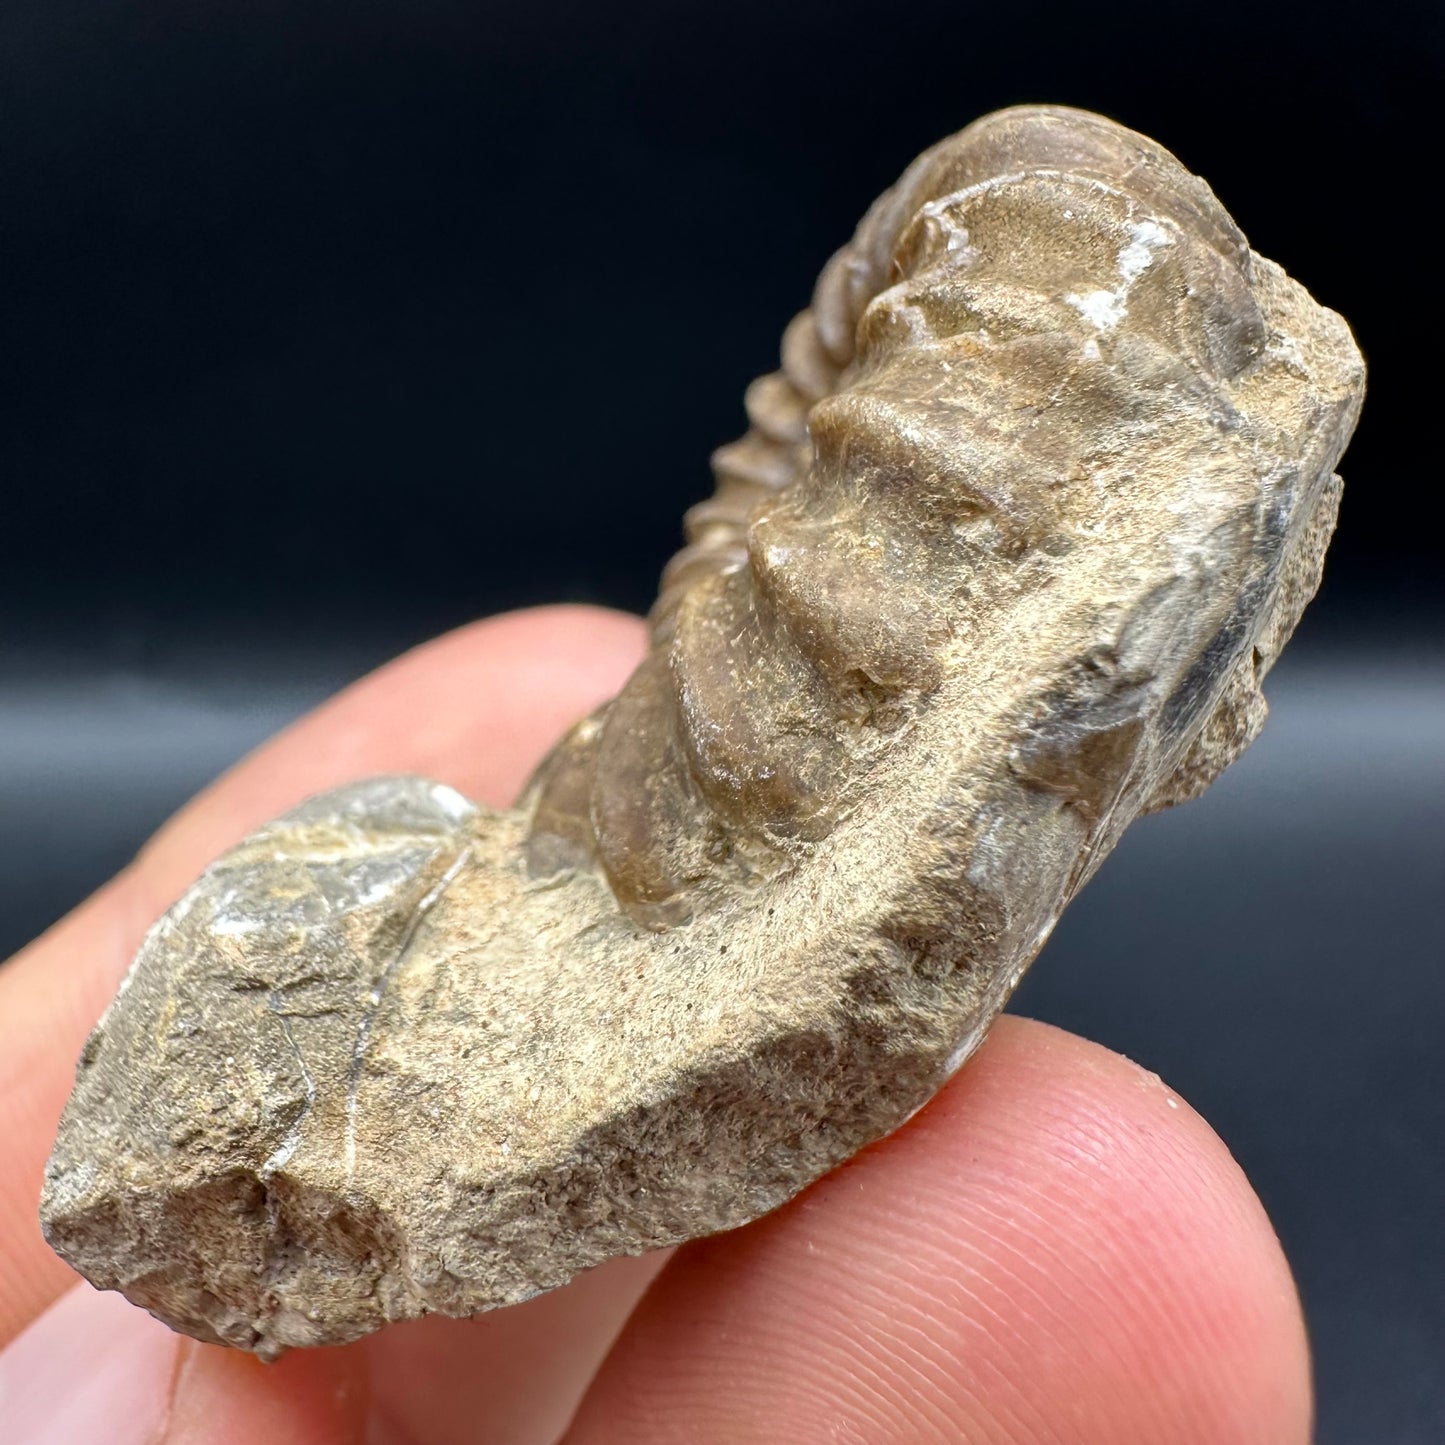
(327, 326)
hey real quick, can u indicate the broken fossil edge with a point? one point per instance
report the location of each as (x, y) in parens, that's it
(374, 1065)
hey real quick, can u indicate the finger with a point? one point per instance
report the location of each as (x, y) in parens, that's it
(93, 1368)
(1055, 1250)
(475, 709)
(512, 1377)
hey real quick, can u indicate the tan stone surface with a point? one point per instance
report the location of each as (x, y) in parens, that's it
(1037, 496)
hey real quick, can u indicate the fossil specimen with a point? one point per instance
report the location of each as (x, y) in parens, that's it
(1039, 492)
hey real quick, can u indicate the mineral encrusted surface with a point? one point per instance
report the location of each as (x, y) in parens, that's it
(1039, 492)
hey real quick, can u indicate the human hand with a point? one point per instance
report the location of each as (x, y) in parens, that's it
(1056, 1251)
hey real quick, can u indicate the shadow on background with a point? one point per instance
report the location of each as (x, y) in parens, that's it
(327, 327)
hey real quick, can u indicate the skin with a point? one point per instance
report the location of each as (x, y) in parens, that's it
(1057, 1250)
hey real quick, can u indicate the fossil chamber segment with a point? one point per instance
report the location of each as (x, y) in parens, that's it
(1044, 337)
(1039, 491)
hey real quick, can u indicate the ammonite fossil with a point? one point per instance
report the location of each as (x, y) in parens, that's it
(1039, 492)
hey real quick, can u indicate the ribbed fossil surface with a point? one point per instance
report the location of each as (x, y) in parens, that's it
(1039, 492)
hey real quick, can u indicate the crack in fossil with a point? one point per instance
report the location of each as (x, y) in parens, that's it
(281, 1155)
(424, 905)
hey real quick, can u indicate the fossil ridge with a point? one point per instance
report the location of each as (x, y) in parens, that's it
(1040, 490)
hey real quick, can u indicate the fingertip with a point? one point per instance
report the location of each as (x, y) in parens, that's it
(1056, 1249)
(95, 1368)
(534, 674)
(476, 708)
(224, 1397)
(1150, 1217)
(91, 1367)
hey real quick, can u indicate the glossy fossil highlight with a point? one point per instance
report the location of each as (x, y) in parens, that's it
(1041, 489)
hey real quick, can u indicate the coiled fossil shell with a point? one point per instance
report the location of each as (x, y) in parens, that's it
(1039, 492)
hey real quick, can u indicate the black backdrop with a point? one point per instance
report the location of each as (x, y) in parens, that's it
(330, 325)
(293, 293)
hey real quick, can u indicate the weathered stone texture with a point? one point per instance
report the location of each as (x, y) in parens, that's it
(1040, 491)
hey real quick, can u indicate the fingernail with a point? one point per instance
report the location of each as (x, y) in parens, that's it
(92, 1370)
